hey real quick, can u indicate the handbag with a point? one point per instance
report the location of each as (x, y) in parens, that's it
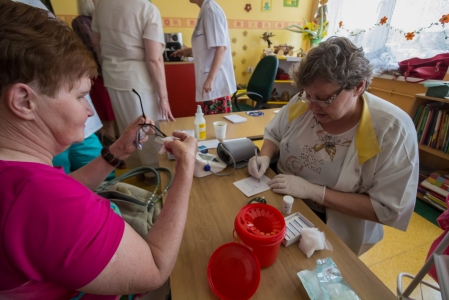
(138, 207)
(425, 68)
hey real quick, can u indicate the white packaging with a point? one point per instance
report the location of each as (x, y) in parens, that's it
(287, 204)
(294, 223)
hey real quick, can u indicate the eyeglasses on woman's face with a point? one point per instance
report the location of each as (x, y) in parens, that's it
(321, 103)
(147, 128)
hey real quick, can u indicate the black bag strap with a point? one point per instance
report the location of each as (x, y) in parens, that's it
(154, 197)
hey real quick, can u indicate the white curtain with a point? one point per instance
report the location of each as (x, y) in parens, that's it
(386, 46)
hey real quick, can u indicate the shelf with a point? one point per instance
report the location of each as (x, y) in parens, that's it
(284, 81)
(289, 58)
(435, 152)
(423, 96)
(277, 102)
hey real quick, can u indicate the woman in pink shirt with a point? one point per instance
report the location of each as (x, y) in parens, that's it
(58, 239)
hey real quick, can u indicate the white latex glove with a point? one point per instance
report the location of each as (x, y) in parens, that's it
(257, 169)
(297, 187)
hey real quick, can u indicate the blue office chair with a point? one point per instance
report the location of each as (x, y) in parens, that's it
(260, 84)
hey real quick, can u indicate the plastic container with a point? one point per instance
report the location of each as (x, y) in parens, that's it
(262, 228)
(287, 204)
(200, 124)
(233, 272)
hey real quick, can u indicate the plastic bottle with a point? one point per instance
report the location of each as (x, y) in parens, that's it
(287, 204)
(200, 124)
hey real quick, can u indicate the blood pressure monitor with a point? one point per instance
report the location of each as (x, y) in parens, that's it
(207, 164)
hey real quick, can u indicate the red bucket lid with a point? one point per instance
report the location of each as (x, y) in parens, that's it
(262, 223)
(233, 272)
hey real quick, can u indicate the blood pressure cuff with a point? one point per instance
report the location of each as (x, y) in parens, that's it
(239, 149)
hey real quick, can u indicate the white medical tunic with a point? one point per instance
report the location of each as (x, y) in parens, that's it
(211, 31)
(381, 161)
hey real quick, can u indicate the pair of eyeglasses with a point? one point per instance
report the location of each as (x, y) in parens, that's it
(148, 128)
(321, 103)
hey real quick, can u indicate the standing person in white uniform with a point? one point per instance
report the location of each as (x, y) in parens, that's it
(129, 39)
(211, 49)
(351, 156)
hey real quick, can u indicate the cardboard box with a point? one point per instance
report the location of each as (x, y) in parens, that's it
(294, 223)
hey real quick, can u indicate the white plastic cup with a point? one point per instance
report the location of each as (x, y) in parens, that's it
(220, 129)
(287, 204)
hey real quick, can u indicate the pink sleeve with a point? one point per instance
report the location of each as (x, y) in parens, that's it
(61, 232)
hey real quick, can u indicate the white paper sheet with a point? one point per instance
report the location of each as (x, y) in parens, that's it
(210, 144)
(235, 118)
(251, 186)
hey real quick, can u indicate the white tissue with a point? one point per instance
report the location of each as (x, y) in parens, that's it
(160, 140)
(312, 239)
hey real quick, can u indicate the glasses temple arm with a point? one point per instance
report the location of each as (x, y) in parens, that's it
(158, 130)
(141, 106)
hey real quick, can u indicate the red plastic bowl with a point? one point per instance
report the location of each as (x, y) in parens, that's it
(233, 272)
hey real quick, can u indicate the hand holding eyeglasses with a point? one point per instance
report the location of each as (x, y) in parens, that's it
(126, 143)
(147, 127)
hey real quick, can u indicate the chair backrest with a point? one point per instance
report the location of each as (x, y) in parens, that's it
(262, 80)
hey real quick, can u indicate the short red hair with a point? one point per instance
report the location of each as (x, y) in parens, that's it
(37, 48)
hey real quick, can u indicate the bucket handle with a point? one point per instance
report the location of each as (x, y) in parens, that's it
(258, 200)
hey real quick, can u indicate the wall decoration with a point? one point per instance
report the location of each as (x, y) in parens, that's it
(244, 73)
(266, 5)
(245, 32)
(233, 53)
(266, 37)
(244, 47)
(248, 7)
(234, 40)
(291, 3)
(407, 35)
(243, 61)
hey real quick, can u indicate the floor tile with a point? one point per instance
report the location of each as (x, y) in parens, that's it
(411, 261)
(395, 242)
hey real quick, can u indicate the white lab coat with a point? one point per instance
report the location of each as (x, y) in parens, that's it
(211, 31)
(382, 162)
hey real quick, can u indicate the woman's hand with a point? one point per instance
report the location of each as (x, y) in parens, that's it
(297, 187)
(258, 166)
(184, 149)
(125, 145)
(166, 110)
(207, 86)
(182, 52)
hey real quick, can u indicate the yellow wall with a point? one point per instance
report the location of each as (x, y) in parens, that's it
(245, 28)
(64, 7)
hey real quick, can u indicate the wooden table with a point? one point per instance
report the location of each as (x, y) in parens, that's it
(253, 128)
(214, 204)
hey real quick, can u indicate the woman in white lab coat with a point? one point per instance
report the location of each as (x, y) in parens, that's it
(214, 71)
(351, 156)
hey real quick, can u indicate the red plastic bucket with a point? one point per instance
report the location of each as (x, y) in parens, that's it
(262, 228)
(233, 272)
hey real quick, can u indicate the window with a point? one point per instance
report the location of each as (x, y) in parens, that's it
(386, 45)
